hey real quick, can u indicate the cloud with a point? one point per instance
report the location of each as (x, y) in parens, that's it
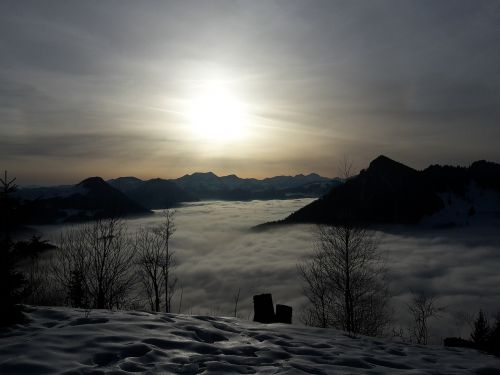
(417, 80)
(217, 255)
(79, 145)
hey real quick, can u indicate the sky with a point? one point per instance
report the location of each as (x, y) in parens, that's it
(254, 88)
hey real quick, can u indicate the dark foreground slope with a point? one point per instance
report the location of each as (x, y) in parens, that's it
(390, 192)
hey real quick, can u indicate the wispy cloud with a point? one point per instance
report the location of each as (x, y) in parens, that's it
(390, 76)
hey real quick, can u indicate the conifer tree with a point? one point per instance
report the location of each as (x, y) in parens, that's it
(481, 330)
(12, 282)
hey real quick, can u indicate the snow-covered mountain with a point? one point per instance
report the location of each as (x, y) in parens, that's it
(71, 341)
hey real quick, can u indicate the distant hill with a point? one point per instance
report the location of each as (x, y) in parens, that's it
(154, 193)
(160, 193)
(123, 196)
(391, 192)
(125, 183)
(210, 186)
(89, 199)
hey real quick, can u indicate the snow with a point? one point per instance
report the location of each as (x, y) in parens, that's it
(72, 341)
(486, 204)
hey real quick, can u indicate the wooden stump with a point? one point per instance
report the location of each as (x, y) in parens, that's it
(263, 308)
(284, 314)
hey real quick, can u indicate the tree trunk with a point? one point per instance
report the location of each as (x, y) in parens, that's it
(157, 296)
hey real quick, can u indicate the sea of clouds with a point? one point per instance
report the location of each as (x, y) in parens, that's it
(218, 254)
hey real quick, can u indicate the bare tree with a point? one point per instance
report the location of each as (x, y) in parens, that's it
(180, 301)
(94, 263)
(423, 307)
(236, 299)
(150, 250)
(345, 281)
(345, 168)
(165, 231)
(316, 288)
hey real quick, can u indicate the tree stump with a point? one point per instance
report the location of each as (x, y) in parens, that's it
(284, 314)
(263, 308)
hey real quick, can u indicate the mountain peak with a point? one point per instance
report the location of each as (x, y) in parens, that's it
(382, 159)
(204, 174)
(384, 164)
(484, 164)
(91, 181)
(125, 179)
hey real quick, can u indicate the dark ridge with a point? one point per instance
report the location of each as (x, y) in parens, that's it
(102, 198)
(90, 199)
(158, 193)
(383, 164)
(391, 192)
(125, 183)
(91, 182)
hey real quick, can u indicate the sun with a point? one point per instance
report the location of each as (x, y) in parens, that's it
(216, 113)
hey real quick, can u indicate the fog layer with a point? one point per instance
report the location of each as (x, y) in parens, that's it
(218, 253)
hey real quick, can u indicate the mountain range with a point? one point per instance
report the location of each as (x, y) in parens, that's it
(91, 198)
(94, 197)
(385, 192)
(391, 192)
(160, 193)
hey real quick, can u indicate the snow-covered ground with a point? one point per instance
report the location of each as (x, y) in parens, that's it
(69, 341)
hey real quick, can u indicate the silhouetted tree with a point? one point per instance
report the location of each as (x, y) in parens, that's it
(7, 206)
(98, 257)
(236, 299)
(483, 337)
(12, 282)
(150, 250)
(165, 230)
(316, 288)
(345, 281)
(77, 290)
(12, 285)
(422, 308)
(481, 332)
(494, 337)
(37, 288)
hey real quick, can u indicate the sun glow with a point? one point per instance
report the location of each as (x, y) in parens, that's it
(216, 113)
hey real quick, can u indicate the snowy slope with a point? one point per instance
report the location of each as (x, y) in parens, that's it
(65, 341)
(485, 203)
